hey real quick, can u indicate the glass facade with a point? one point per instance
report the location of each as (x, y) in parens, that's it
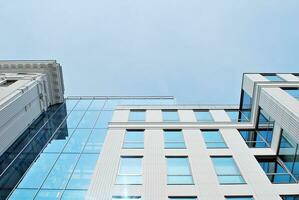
(213, 139)
(174, 139)
(130, 170)
(236, 116)
(55, 157)
(134, 139)
(245, 107)
(137, 115)
(170, 115)
(227, 170)
(203, 116)
(275, 170)
(178, 171)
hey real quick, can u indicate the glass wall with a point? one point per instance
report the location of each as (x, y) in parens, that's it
(245, 107)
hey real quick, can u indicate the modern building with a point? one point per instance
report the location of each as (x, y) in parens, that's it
(149, 148)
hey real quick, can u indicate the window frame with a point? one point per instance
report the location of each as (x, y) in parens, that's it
(133, 142)
(211, 118)
(136, 111)
(189, 168)
(170, 111)
(174, 142)
(130, 175)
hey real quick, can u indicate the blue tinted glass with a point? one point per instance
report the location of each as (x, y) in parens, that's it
(137, 115)
(170, 115)
(245, 106)
(293, 92)
(130, 170)
(95, 141)
(213, 139)
(20, 194)
(78, 140)
(273, 77)
(203, 116)
(233, 115)
(290, 197)
(104, 118)
(82, 104)
(134, 140)
(59, 141)
(70, 103)
(227, 171)
(239, 198)
(74, 118)
(83, 171)
(61, 172)
(73, 195)
(257, 139)
(178, 171)
(39, 171)
(97, 104)
(89, 119)
(48, 194)
(174, 140)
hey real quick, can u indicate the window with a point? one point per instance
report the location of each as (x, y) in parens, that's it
(289, 153)
(213, 139)
(125, 197)
(257, 139)
(134, 139)
(178, 171)
(7, 83)
(137, 115)
(227, 170)
(130, 170)
(294, 92)
(290, 197)
(174, 139)
(245, 106)
(275, 170)
(272, 77)
(182, 198)
(170, 115)
(239, 197)
(203, 116)
(236, 116)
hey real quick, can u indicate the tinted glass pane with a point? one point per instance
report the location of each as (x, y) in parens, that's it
(97, 104)
(89, 119)
(213, 139)
(83, 172)
(61, 172)
(170, 115)
(130, 170)
(20, 194)
(59, 141)
(73, 195)
(78, 140)
(74, 118)
(137, 115)
(273, 77)
(82, 104)
(174, 140)
(204, 116)
(134, 139)
(95, 141)
(227, 171)
(70, 103)
(48, 194)
(178, 171)
(245, 106)
(39, 171)
(104, 118)
(293, 92)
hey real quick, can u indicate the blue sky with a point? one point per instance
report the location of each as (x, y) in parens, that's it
(195, 50)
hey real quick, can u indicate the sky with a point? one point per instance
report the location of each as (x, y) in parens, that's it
(195, 50)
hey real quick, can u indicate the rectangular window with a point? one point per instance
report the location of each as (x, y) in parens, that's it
(227, 170)
(134, 139)
(239, 198)
(170, 115)
(290, 197)
(257, 139)
(213, 139)
(125, 197)
(272, 77)
(236, 116)
(203, 116)
(245, 106)
(178, 171)
(174, 139)
(130, 170)
(137, 115)
(294, 92)
(182, 198)
(276, 170)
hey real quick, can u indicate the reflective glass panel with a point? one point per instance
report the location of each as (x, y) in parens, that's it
(83, 104)
(78, 140)
(89, 119)
(203, 116)
(178, 171)
(213, 139)
(104, 118)
(174, 139)
(245, 106)
(73, 195)
(21, 194)
(227, 170)
(95, 141)
(130, 171)
(134, 139)
(272, 77)
(48, 194)
(170, 115)
(137, 115)
(97, 104)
